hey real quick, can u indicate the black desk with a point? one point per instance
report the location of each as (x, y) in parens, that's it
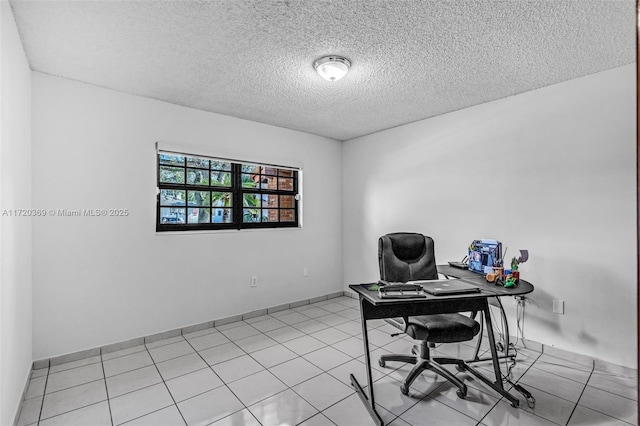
(373, 307)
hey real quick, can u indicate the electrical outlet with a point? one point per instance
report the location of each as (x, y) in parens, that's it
(254, 281)
(305, 272)
(558, 307)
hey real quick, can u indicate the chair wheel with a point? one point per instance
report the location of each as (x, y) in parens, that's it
(404, 389)
(461, 395)
(381, 363)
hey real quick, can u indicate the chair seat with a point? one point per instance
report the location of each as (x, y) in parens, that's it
(442, 328)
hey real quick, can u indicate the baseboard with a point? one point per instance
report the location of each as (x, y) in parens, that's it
(24, 394)
(75, 356)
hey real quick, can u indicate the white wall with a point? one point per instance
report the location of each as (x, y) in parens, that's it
(15, 232)
(108, 279)
(552, 171)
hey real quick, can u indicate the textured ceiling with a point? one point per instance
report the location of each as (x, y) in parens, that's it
(411, 59)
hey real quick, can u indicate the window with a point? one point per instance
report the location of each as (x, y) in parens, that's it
(202, 193)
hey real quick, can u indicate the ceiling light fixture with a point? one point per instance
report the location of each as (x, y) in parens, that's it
(332, 68)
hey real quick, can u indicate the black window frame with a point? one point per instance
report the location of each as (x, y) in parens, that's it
(237, 194)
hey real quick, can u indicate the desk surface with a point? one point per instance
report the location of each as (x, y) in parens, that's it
(487, 289)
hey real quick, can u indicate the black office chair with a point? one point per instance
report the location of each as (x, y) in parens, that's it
(407, 257)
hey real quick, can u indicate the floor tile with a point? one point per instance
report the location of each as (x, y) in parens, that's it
(240, 418)
(127, 363)
(352, 314)
(376, 323)
(281, 313)
(622, 386)
(192, 384)
(476, 404)
(316, 359)
(74, 364)
(437, 413)
(388, 395)
(503, 414)
(139, 403)
(359, 371)
(346, 300)
(258, 319)
(132, 380)
(314, 312)
(334, 307)
(73, 398)
(585, 416)
(310, 326)
(273, 355)
(237, 368)
(164, 342)
(256, 387)
(39, 372)
(323, 391)
(330, 335)
(210, 406)
(178, 366)
(506, 367)
(555, 385)
(240, 332)
(375, 356)
(293, 318)
(317, 420)
(399, 422)
(30, 412)
(327, 358)
(378, 337)
(352, 346)
(575, 374)
(569, 359)
(550, 407)
(169, 416)
(616, 370)
(74, 377)
(208, 340)
(173, 350)
(455, 350)
(123, 352)
(94, 415)
(221, 353)
(295, 371)
(255, 343)
(284, 334)
(400, 346)
(610, 404)
(200, 333)
(230, 325)
(36, 387)
(332, 319)
(351, 327)
(285, 408)
(269, 324)
(352, 412)
(426, 383)
(304, 345)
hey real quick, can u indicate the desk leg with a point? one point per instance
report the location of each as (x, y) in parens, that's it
(369, 402)
(497, 385)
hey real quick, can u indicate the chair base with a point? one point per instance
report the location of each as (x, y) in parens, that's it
(422, 362)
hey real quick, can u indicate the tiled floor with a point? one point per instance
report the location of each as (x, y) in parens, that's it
(292, 368)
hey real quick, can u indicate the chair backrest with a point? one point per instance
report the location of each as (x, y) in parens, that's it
(404, 256)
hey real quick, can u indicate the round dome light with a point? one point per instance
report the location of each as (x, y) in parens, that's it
(332, 68)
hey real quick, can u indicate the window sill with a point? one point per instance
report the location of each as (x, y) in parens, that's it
(227, 231)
